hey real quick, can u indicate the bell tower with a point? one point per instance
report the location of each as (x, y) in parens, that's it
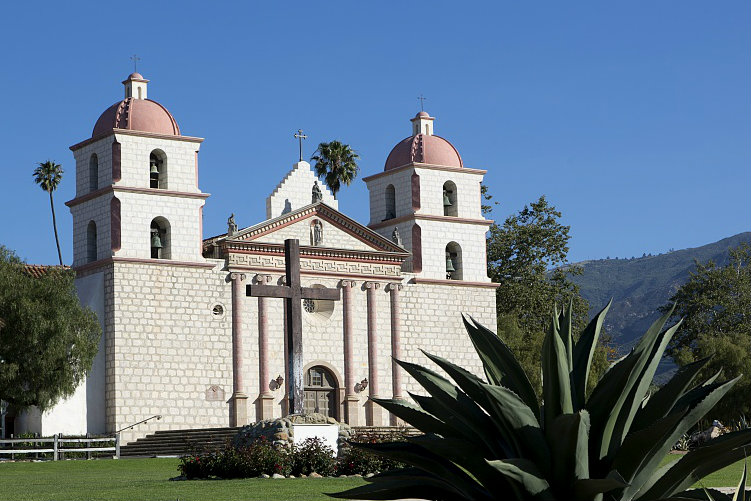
(432, 203)
(137, 194)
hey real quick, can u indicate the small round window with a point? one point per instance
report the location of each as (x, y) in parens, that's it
(217, 310)
(309, 305)
(317, 311)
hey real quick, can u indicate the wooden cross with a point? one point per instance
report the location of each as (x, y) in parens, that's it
(300, 136)
(135, 60)
(422, 102)
(293, 293)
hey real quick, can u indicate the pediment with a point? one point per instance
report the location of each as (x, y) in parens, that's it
(337, 230)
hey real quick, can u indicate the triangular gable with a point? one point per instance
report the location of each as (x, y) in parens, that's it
(343, 232)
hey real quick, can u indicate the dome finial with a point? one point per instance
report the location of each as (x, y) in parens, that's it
(135, 86)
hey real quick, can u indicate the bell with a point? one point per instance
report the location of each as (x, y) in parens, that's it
(154, 168)
(446, 201)
(156, 242)
(449, 264)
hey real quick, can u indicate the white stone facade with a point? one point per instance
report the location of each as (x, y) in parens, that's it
(167, 347)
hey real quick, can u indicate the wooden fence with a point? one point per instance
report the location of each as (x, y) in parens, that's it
(58, 446)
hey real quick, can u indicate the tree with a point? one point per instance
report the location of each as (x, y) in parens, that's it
(48, 176)
(336, 163)
(715, 305)
(520, 254)
(47, 340)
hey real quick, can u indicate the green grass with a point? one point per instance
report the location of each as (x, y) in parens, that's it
(147, 479)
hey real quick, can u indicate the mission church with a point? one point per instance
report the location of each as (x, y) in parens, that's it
(181, 336)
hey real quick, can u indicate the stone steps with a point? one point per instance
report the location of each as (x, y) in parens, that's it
(179, 442)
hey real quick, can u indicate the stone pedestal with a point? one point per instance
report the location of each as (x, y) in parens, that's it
(352, 410)
(238, 410)
(264, 407)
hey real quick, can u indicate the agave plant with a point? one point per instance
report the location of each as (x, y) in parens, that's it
(489, 439)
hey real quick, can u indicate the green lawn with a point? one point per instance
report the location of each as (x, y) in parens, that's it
(147, 479)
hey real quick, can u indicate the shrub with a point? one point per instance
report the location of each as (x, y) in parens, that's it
(313, 456)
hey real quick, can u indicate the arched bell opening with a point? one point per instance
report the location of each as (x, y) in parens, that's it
(91, 249)
(93, 172)
(159, 239)
(450, 207)
(158, 170)
(454, 261)
(390, 202)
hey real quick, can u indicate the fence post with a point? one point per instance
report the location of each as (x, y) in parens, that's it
(88, 446)
(54, 447)
(117, 446)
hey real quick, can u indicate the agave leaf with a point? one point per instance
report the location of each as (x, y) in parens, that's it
(500, 365)
(696, 393)
(453, 407)
(666, 397)
(695, 465)
(568, 440)
(740, 491)
(409, 483)
(438, 466)
(591, 488)
(703, 494)
(566, 332)
(514, 420)
(584, 350)
(423, 421)
(556, 377)
(641, 452)
(526, 474)
(614, 394)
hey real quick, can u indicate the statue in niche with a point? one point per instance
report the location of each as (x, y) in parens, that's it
(396, 237)
(317, 232)
(231, 225)
(317, 195)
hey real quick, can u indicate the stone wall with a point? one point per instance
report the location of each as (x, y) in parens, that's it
(166, 347)
(295, 191)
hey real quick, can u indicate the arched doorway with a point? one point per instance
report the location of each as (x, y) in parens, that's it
(321, 392)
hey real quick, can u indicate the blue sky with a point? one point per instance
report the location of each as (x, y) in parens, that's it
(633, 118)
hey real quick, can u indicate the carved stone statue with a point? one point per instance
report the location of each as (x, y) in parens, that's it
(231, 225)
(396, 237)
(317, 233)
(317, 195)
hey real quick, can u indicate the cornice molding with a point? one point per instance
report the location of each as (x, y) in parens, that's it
(135, 260)
(417, 165)
(430, 217)
(454, 283)
(128, 132)
(133, 189)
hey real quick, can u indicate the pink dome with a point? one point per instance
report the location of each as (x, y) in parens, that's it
(422, 114)
(142, 115)
(135, 76)
(424, 149)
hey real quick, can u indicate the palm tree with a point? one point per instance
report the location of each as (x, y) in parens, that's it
(336, 163)
(48, 176)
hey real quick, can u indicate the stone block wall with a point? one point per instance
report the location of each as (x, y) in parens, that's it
(181, 164)
(165, 347)
(432, 322)
(97, 210)
(467, 195)
(103, 150)
(436, 235)
(182, 213)
(402, 183)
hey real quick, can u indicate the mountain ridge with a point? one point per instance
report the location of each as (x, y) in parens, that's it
(639, 286)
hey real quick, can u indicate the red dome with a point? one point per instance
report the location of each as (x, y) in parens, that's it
(424, 149)
(142, 115)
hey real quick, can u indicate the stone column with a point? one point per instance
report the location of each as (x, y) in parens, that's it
(351, 401)
(396, 348)
(373, 412)
(265, 402)
(239, 399)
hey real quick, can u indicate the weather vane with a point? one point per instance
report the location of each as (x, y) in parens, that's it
(135, 60)
(422, 102)
(300, 136)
